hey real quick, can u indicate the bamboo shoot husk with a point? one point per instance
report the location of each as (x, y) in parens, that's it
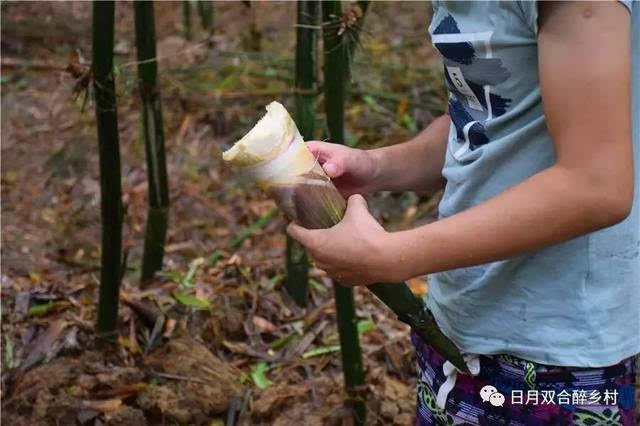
(273, 155)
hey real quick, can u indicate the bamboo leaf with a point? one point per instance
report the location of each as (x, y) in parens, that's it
(192, 301)
(9, 353)
(318, 285)
(213, 259)
(321, 351)
(255, 226)
(43, 309)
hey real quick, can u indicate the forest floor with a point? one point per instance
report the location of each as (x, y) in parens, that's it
(214, 339)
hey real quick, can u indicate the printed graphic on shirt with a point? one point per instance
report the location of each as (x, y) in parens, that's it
(470, 70)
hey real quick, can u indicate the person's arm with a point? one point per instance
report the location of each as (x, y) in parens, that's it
(584, 66)
(415, 165)
(412, 165)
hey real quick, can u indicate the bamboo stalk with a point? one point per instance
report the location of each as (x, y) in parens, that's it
(186, 18)
(297, 263)
(152, 127)
(336, 67)
(205, 10)
(110, 189)
(336, 75)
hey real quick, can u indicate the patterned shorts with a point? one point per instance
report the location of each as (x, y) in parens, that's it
(512, 391)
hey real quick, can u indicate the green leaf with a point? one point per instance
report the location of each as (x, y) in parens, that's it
(255, 226)
(321, 351)
(258, 377)
(352, 141)
(365, 326)
(187, 281)
(47, 307)
(270, 283)
(410, 123)
(9, 357)
(190, 300)
(244, 377)
(318, 285)
(368, 99)
(213, 259)
(282, 341)
(171, 275)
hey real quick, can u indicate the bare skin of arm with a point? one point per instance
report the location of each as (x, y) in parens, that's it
(584, 67)
(415, 165)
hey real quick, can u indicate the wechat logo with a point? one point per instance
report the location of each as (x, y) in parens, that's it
(491, 394)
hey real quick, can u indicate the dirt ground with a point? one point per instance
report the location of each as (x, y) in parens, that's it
(215, 339)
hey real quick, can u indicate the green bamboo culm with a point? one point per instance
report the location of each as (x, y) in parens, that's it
(153, 132)
(336, 75)
(109, 152)
(297, 280)
(205, 10)
(186, 18)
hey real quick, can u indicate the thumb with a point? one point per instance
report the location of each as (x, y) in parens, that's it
(356, 206)
(303, 235)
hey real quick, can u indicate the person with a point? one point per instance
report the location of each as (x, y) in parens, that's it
(534, 267)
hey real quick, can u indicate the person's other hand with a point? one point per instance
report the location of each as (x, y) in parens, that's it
(353, 251)
(353, 171)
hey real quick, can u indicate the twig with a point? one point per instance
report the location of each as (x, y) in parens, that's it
(308, 339)
(36, 65)
(177, 377)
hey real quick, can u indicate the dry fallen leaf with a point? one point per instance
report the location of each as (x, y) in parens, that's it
(105, 406)
(263, 325)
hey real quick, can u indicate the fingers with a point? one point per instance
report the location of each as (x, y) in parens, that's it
(358, 212)
(329, 156)
(320, 150)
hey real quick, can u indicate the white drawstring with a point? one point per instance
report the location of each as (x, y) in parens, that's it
(451, 373)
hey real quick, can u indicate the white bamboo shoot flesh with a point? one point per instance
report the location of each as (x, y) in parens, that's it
(274, 155)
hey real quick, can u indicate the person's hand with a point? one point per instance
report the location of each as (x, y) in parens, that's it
(351, 252)
(353, 171)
